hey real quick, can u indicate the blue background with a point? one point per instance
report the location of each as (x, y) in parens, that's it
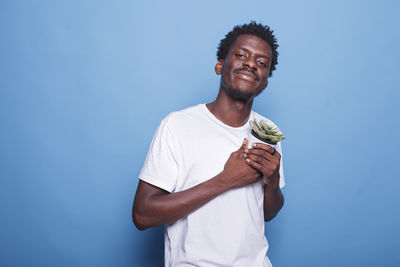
(84, 85)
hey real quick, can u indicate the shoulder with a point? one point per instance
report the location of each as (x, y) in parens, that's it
(183, 117)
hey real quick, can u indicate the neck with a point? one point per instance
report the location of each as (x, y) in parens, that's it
(230, 111)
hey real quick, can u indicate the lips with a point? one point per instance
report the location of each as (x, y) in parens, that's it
(246, 74)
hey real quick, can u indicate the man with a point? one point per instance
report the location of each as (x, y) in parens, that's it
(201, 179)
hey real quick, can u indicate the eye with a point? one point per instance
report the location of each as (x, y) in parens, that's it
(262, 63)
(239, 55)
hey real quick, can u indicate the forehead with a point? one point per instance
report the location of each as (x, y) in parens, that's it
(252, 43)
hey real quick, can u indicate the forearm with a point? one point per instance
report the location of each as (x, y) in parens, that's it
(273, 201)
(164, 208)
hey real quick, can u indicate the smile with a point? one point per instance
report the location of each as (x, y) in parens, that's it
(246, 75)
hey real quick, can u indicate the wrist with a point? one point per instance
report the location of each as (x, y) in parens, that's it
(220, 182)
(272, 182)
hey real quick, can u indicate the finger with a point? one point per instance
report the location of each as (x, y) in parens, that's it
(267, 148)
(261, 160)
(244, 144)
(268, 166)
(241, 152)
(261, 152)
(265, 171)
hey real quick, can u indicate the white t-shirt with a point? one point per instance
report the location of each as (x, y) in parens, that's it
(192, 146)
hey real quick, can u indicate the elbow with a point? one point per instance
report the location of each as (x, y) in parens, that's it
(270, 217)
(270, 214)
(139, 220)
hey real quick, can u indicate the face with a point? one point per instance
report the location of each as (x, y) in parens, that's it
(245, 69)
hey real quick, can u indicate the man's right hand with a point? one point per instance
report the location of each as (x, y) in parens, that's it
(237, 173)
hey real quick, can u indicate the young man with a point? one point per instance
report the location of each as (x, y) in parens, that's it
(202, 179)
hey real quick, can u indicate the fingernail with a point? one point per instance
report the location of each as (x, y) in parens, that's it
(254, 144)
(247, 160)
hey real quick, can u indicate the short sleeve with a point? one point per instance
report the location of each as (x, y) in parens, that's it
(281, 174)
(161, 168)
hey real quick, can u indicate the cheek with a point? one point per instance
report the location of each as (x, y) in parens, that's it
(227, 74)
(264, 74)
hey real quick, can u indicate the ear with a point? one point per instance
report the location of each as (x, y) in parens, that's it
(218, 67)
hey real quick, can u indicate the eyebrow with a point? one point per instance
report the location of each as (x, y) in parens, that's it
(247, 50)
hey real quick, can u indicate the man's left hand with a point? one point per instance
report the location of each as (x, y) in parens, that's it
(266, 160)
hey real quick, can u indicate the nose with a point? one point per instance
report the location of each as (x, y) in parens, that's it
(250, 63)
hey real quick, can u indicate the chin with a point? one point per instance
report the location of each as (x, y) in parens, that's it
(239, 95)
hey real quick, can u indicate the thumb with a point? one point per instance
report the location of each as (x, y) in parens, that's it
(244, 144)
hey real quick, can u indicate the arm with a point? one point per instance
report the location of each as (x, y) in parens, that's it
(266, 160)
(154, 206)
(273, 202)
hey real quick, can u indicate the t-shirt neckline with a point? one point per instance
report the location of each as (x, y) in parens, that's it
(215, 119)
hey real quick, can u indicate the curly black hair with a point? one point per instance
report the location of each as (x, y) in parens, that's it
(253, 28)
